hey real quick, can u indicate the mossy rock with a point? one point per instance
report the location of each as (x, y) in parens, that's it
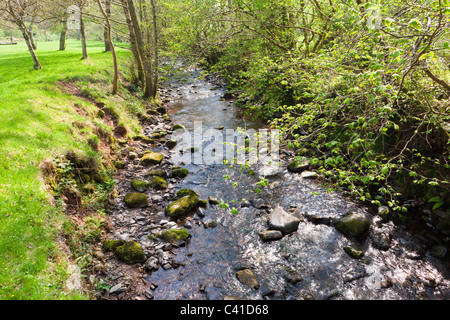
(131, 252)
(178, 172)
(171, 143)
(178, 127)
(175, 236)
(159, 135)
(185, 192)
(136, 200)
(297, 166)
(139, 185)
(182, 206)
(158, 172)
(354, 225)
(151, 158)
(111, 245)
(354, 251)
(158, 183)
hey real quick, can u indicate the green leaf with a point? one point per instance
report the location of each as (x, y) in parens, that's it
(414, 23)
(435, 199)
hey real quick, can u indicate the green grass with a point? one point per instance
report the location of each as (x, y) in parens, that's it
(35, 124)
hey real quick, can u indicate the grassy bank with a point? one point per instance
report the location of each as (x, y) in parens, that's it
(38, 110)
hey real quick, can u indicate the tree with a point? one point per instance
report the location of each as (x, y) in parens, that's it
(111, 46)
(16, 12)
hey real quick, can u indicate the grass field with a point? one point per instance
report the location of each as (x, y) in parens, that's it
(35, 124)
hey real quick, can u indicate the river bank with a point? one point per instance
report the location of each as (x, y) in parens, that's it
(224, 255)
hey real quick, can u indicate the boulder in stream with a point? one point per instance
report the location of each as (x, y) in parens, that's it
(283, 221)
(247, 277)
(270, 235)
(354, 225)
(298, 166)
(187, 202)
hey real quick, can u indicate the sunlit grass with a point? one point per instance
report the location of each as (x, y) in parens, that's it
(35, 120)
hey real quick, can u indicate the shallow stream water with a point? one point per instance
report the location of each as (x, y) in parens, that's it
(315, 252)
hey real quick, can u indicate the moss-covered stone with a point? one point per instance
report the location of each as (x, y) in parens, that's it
(354, 251)
(182, 206)
(178, 172)
(178, 127)
(130, 252)
(298, 166)
(171, 143)
(353, 225)
(158, 183)
(185, 192)
(139, 185)
(110, 245)
(136, 200)
(175, 236)
(151, 158)
(158, 172)
(159, 135)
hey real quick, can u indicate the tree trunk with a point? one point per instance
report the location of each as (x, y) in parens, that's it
(62, 37)
(107, 10)
(30, 34)
(149, 91)
(134, 49)
(83, 38)
(26, 36)
(111, 46)
(155, 32)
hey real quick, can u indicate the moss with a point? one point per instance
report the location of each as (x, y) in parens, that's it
(202, 203)
(151, 158)
(185, 192)
(353, 225)
(158, 183)
(354, 252)
(178, 172)
(136, 200)
(158, 172)
(139, 185)
(181, 206)
(178, 127)
(298, 166)
(175, 236)
(111, 245)
(130, 252)
(159, 135)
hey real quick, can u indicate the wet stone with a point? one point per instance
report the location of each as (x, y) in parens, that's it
(270, 235)
(248, 278)
(283, 221)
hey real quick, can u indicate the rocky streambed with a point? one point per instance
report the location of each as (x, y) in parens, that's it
(173, 237)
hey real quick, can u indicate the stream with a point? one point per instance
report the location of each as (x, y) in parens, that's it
(314, 253)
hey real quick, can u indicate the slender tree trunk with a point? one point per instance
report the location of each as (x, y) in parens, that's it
(134, 49)
(111, 46)
(62, 37)
(26, 36)
(83, 37)
(107, 10)
(155, 32)
(149, 91)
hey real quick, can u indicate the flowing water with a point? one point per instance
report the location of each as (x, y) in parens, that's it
(315, 252)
